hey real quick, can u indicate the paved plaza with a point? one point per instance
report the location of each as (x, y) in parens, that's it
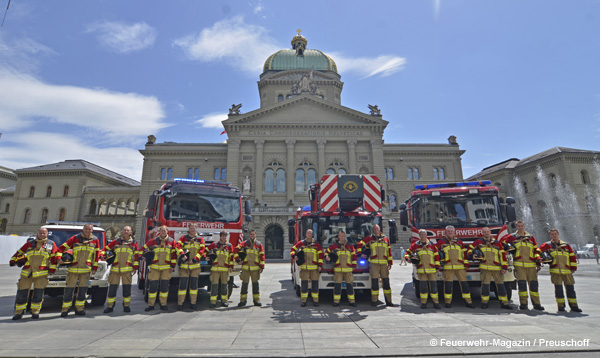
(281, 328)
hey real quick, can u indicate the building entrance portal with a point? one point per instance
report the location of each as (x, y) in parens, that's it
(274, 242)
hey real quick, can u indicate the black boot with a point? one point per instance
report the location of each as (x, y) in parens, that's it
(108, 310)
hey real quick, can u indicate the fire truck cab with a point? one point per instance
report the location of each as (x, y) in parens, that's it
(347, 202)
(469, 207)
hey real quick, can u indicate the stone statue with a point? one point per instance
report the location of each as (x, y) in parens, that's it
(246, 185)
(375, 111)
(235, 108)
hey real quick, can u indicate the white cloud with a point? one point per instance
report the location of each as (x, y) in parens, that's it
(124, 38)
(212, 120)
(242, 45)
(22, 55)
(383, 66)
(22, 150)
(118, 115)
(258, 7)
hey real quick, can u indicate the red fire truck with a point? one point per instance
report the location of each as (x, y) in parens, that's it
(340, 202)
(212, 205)
(469, 207)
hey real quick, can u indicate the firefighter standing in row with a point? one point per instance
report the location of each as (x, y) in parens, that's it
(223, 257)
(424, 255)
(455, 263)
(164, 258)
(345, 263)
(381, 262)
(251, 255)
(37, 258)
(564, 263)
(493, 264)
(527, 263)
(190, 248)
(86, 251)
(125, 264)
(311, 266)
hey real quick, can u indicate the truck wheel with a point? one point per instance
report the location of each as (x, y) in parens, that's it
(417, 286)
(99, 296)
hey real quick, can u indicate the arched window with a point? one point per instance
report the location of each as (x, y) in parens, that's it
(585, 178)
(335, 168)
(311, 177)
(66, 191)
(280, 183)
(224, 174)
(552, 180)
(525, 187)
(62, 215)
(280, 98)
(536, 184)
(112, 207)
(330, 171)
(170, 174)
(48, 191)
(217, 173)
(121, 207)
(163, 174)
(27, 216)
(342, 171)
(190, 173)
(442, 174)
(93, 206)
(44, 216)
(410, 174)
(31, 192)
(393, 205)
(197, 173)
(7, 208)
(389, 173)
(416, 173)
(102, 207)
(131, 207)
(306, 175)
(269, 180)
(436, 175)
(300, 180)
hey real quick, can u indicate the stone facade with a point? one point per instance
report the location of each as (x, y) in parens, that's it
(559, 188)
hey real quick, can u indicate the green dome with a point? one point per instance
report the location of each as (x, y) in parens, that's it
(299, 58)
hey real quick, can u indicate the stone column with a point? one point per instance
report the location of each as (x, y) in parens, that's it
(291, 170)
(233, 161)
(321, 155)
(259, 186)
(378, 166)
(351, 156)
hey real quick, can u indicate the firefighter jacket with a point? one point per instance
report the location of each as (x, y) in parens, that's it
(494, 256)
(225, 256)
(127, 255)
(313, 254)
(455, 254)
(346, 257)
(86, 252)
(165, 253)
(527, 253)
(39, 257)
(194, 248)
(254, 258)
(564, 259)
(429, 259)
(381, 250)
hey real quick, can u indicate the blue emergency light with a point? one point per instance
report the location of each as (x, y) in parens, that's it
(362, 262)
(452, 185)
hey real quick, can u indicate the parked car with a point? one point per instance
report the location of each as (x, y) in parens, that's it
(586, 252)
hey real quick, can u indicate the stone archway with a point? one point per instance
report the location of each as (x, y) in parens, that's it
(274, 242)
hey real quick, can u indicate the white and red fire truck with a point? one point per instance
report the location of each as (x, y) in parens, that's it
(469, 207)
(340, 202)
(213, 206)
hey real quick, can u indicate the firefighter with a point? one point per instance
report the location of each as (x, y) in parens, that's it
(455, 263)
(190, 249)
(311, 268)
(424, 255)
(161, 267)
(381, 263)
(86, 251)
(223, 257)
(37, 258)
(527, 262)
(345, 263)
(493, 264)
(125, 254)
(564, 263)
(251, 255)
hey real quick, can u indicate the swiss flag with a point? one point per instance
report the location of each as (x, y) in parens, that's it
(503, 232)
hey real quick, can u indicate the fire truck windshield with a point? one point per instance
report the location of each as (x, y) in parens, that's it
(326, 228)
(195, 207)
(456, 210)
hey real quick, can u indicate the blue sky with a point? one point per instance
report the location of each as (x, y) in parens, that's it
(91, 79)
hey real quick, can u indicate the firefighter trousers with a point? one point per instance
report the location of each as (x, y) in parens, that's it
(376, 272)
(486, 279)
(246, 276)
(23, 287)
(79, 280)
(218, 290)
(338, 278)
(525, 276)
(461, 275)
(305, 276)
(188, 279)
(428, 287)
(569, 282)
(158, 278)
(114, 279)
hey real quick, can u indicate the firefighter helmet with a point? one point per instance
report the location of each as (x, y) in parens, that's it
(414, 258)
(67, 258)
(333, 255)
(478, 254)
(547, 257)
(110, 257)
(300, 257)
